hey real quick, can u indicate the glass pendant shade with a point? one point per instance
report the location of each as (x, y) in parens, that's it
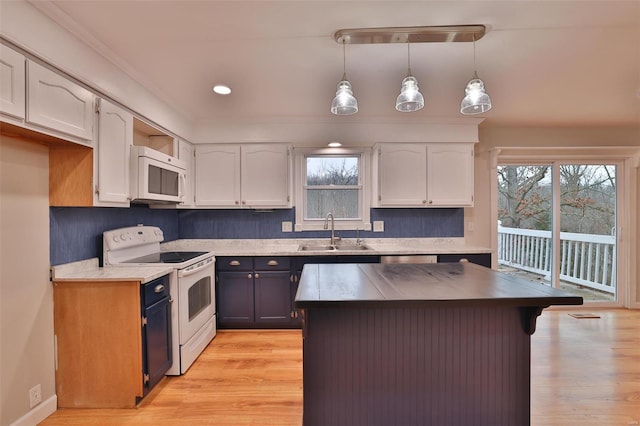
(344, 103)
(476, 99)
(410, 99)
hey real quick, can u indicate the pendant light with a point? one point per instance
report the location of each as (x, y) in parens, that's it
(410, 99)
(344, 103)
(476, 99)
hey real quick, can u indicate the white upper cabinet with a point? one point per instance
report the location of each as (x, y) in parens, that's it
(402, 169)
(12, 83)
(265, 175)
(235, 176)
(423, 175)
(217, 182)
(58, 104)
(450, 175)
(185, 153)
(115, 137)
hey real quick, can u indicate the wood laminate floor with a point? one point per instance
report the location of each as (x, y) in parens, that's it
(584, 372)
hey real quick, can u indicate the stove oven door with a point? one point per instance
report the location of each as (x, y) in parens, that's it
(196, 298)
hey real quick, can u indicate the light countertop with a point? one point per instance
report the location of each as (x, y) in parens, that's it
(88, 270)
(290, 247)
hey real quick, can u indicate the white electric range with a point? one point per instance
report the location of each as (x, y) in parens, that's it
(193, 316)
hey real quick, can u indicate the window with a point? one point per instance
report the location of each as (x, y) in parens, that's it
(330, 182)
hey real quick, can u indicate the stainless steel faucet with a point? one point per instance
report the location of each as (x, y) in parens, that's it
(326, 226)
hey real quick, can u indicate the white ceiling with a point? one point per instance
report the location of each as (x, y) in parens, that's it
(543, 62)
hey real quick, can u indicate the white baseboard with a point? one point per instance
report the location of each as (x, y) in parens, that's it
(38, 413)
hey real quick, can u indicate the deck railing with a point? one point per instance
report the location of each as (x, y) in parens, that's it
(587, 260)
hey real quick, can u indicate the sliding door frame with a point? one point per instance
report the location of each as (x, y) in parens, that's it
(626, 161)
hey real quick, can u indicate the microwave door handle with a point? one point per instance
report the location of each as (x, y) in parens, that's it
(182, 183)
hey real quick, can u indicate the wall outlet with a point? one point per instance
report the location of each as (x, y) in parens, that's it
(378, 226)
(35, 396)
(287, 227)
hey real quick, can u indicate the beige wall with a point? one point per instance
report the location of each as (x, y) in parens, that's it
(26, 295)
(478, 219)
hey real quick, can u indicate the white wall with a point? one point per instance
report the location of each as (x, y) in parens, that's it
(26, 295)
(350, 132)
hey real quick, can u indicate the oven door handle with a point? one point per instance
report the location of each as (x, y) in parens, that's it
(187, 272)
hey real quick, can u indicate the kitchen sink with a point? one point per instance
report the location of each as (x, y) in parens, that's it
(352, 247)
(337, 247)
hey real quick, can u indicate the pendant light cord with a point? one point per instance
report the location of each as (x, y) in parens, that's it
(409, 58)
(475, 69)
(344, 60)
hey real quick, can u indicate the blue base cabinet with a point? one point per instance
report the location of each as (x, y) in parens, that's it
(254, 292)
(157, 353)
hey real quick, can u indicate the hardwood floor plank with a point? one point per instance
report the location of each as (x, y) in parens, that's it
(584, 372)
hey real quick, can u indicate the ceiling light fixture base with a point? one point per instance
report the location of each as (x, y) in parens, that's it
(428, 34)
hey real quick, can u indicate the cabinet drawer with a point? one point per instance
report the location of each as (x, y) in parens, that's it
(155, 290)
(234, 263)
(275, 263)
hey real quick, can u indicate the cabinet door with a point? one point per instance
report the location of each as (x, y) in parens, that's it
(115, 137)
(156, 343)
(235, 298)
(272, 296)
(12, 82)
(185, 153)
(265, 175)
(450, 175)
(57, 103)
(296, 313)
(217, 175)
(402, 172)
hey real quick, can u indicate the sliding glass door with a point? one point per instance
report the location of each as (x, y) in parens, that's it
(557, 226)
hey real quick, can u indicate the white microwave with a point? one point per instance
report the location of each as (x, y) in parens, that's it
(156, 177)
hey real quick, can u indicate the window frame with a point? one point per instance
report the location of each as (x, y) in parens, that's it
(364, 161)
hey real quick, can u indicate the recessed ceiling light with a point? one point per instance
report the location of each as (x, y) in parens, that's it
(221, 89)
(335, 144)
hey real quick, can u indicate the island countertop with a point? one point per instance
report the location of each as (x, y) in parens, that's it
(440, 284)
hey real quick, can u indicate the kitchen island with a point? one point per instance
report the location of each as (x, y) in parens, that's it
(418, 344)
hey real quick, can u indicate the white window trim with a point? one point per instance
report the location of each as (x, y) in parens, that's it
(300, 178)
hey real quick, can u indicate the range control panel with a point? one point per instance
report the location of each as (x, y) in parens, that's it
(132, 236)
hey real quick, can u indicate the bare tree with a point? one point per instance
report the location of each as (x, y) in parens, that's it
(520, 197)
(587, 199)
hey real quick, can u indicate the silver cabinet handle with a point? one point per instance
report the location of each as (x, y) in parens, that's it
(159, 288)
(257, 275)
(234, 263)
(273, 263)
(249, 276)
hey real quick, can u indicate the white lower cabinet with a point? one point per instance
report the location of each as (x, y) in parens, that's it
(12, 83)
(248, 175)
(423, 175)
(59, 104)
(115, 137)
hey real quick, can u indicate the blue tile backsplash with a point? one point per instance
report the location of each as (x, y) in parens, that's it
(76, 232)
